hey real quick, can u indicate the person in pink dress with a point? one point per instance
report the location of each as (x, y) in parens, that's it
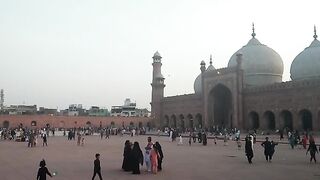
(154, 160)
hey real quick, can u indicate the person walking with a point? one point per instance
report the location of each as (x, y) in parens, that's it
(204, 139)
(137, 158)
(154, 160)
(97, 167)
(44, 140)
(267, 149)
(248, 149)
(43, 171)
(127, 154)
(180, 140)
(313, 150)
(160, 157)
(273, 146)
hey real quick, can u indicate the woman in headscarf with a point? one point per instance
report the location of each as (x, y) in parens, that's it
(137, 158)
(159, 149)
(126, 164)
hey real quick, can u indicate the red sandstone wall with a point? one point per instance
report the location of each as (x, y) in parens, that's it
(69, 121)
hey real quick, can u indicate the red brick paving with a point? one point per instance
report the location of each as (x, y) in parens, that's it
(17, 162)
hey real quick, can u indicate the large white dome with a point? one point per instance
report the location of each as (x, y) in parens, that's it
(261, 64)
(306, 65)
(198, 85)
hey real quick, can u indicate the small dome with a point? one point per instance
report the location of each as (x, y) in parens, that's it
(198, 85)
(210, 67)
(261, 64)
(306, 65)
(157, 54)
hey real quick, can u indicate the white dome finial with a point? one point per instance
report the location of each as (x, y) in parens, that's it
(253, 33)
(315, 36)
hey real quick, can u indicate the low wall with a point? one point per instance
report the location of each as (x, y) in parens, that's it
(68, 121)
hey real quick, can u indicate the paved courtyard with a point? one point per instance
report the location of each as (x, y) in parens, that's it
(18, 162)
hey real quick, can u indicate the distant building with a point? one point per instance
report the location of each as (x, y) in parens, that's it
(21, 109)
(76, 110)
(143, 113)
(47, 111)
(129, 110)
(97, 111)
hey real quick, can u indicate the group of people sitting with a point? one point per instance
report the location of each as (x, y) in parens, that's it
(133, 157)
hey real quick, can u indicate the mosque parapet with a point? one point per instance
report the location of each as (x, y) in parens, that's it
(223, 71)
(309, 83)
(181, 97)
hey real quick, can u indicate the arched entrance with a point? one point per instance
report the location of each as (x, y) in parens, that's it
(5, 124)
(33, 123)
(269, 120)
(254, 120)
(286, 120)
(140, 124)
(190, 121)
(199, 121)
(182, 125)
(306, 118)
(173, 121)
(166, 121)
(88, 124)
(220, 107)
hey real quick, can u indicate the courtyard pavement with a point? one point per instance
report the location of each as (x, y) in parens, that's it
(195, 162)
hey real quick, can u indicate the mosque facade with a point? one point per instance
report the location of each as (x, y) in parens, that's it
(247, 94)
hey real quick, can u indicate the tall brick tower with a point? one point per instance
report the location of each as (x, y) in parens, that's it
(157, 89)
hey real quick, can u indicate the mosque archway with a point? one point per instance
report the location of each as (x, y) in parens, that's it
(269, 119)
(166, 121)
(306, 118)
(286, 119)
(199, 121)
(33, 123)
(88, 124)
(140, 124)
(190, 121)
(254, 120)
(182, 125)
(5, 124)
(173, 121)
(220, 106)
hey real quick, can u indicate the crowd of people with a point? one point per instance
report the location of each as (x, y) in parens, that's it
(133, 157)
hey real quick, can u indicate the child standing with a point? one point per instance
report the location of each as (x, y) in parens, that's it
(147, 158)
(97, 167)
(154, 160)
(215, 139)
(43, 171)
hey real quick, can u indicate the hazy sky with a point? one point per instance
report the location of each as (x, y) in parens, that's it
(98, 52)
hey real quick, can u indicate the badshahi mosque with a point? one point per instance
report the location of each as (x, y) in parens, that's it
(247, 94)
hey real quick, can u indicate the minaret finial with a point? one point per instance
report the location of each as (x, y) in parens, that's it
(253, 33)
(210, 59)
(315, 36)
